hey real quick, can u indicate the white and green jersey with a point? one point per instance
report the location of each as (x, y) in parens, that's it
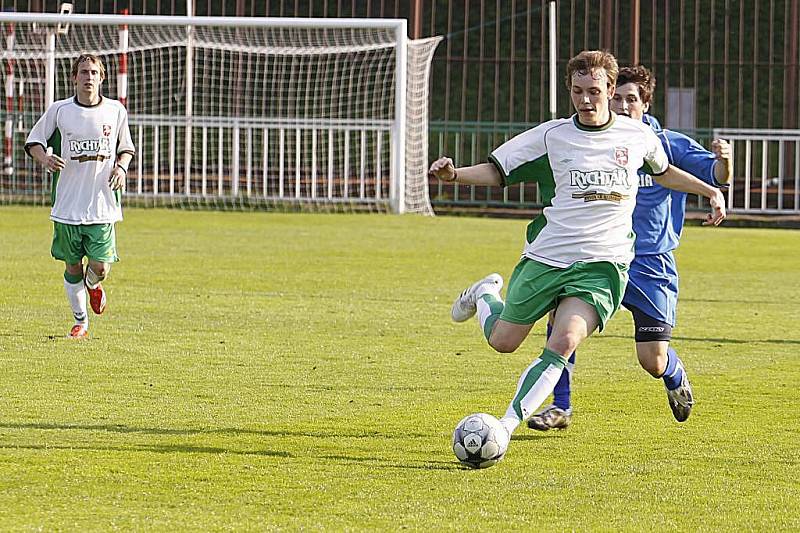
(89, 138)
(588, 181)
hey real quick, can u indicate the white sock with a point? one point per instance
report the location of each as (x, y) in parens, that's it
(76, 296)
(510, 423)
(534, 386)
(92, 279)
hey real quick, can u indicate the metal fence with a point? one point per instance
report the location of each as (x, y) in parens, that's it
(732, 64)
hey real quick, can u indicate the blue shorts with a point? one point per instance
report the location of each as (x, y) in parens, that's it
(653, 286)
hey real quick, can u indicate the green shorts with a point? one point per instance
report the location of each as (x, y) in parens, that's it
(535, 289)
(95, 241)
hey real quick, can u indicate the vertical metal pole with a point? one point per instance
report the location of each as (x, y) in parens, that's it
(50, 69)
(790, 60)
(187, 148)
(416, 10)
(635, 16)
(399, 126)
(553, 60)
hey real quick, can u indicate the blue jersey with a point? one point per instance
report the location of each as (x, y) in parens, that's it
(659, 213)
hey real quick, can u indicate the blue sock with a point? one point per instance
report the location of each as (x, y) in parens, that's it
(673, 375)
(562, 393)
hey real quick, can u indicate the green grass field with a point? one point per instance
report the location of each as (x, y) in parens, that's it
(278, 371)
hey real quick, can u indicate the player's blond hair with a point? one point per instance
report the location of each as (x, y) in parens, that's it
(92, 59)
(643, 77)
(590, 60)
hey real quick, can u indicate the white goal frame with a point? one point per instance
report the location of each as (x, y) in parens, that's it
(395, 128)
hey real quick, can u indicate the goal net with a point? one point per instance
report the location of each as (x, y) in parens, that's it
(323, 114)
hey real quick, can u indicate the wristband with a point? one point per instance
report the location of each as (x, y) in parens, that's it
(125, 170)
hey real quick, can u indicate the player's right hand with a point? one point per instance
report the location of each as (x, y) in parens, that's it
(54, 163)
(718, 213)
(443, 169)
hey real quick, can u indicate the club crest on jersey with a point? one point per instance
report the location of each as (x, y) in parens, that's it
(106, 130)
(621, 156)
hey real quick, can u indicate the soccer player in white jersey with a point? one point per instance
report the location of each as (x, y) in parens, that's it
(652, 291)
(85, 142)
(578, 250)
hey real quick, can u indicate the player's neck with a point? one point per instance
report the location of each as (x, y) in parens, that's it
(91, 99)
(600, 120)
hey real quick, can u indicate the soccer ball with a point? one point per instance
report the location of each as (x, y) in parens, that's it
(480, 441)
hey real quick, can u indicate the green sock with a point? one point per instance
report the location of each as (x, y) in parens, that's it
(73, 278)
(536, 384)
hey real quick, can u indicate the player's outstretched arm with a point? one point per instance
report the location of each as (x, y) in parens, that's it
(677, 179)
(723, 169)
(481, 174)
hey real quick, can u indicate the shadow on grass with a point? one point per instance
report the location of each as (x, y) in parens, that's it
(384, 463)
(530, 435)
(152, 448)
(121, 428)
(716, 340)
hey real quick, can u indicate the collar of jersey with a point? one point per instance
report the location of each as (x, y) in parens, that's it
(602, 127)
(75, 99)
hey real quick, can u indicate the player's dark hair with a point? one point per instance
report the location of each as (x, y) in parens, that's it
(643, 77)
(590, 60)
(92, 59)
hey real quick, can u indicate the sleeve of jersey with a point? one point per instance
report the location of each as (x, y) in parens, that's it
(124, 140)
(655, 159)
(522, 158)
(42, 130)
(689, 156)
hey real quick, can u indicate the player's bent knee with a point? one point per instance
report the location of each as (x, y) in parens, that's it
(100, 269)
(564, 343)
(504, 344)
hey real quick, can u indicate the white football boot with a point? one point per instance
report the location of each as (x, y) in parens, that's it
(465, 305)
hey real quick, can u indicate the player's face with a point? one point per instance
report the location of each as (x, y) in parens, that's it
(88, 81)
(590, 93)
(626, 101)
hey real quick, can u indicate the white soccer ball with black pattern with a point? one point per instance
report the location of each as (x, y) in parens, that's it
(480, 441)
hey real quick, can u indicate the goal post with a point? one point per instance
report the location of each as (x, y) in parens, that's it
(240, 112)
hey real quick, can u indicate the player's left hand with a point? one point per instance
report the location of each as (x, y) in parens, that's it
(117, 179)
(717, 214)
(721, 149)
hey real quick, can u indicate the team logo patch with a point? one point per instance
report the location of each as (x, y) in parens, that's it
(107, 130)
(621, 156)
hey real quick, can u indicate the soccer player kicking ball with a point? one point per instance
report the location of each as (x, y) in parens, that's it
(578, 250)
(652, 291)
(91, 150)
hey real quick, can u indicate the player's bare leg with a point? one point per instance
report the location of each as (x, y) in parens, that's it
(661, 361)
(96, 272)
(76, 296)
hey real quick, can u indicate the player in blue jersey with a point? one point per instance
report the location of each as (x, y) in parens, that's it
(652, 291)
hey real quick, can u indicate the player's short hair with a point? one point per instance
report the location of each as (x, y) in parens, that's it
(92, 59)
(643, 77)
(590, 60)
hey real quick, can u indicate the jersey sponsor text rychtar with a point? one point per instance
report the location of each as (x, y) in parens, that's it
(90, 145)
(599, 178)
